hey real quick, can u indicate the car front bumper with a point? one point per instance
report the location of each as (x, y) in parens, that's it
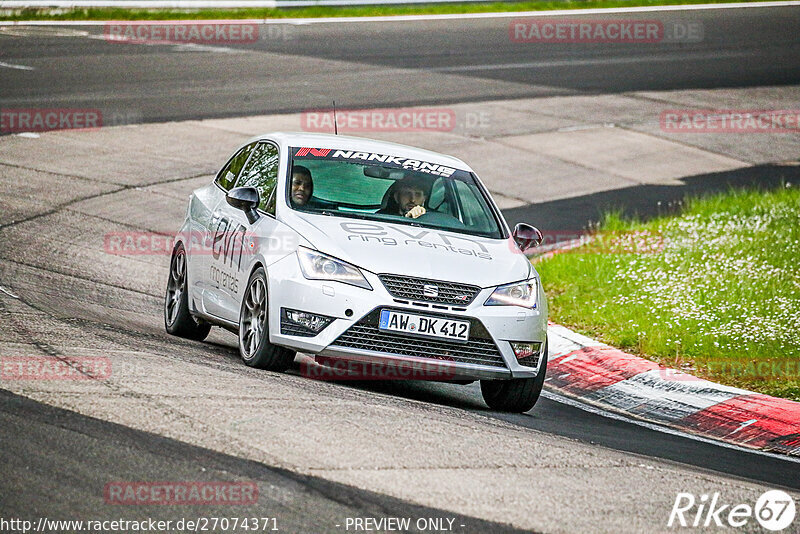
(352, 334)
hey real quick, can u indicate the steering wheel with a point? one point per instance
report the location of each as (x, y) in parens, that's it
(439, 218)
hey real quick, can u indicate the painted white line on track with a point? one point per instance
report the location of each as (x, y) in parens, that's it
(5, 4)
(178, 46)
(140, 4)
(599, 61)
(41, 31)
(17, 67)
(658, 428)
(9, 293)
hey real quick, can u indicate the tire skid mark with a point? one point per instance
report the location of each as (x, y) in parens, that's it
(66, 205)
(114, 387)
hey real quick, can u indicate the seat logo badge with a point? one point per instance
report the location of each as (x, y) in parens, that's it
(430, 290)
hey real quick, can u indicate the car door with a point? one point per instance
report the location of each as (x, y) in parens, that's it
(230, 258)
(208, 277)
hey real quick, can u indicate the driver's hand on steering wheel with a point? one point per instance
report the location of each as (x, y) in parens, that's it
(415, 212)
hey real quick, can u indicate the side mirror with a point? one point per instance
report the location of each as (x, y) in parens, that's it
(245, 199)
(527, 236)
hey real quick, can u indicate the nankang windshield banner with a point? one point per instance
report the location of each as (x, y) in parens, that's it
(384, 160)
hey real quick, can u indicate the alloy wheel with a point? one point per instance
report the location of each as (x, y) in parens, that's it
(254, 317)
(175, 285)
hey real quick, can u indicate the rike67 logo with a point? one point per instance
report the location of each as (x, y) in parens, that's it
(774, 511)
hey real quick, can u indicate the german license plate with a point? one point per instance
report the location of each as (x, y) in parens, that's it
(410, 323)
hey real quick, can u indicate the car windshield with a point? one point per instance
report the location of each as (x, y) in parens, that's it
(364, 185)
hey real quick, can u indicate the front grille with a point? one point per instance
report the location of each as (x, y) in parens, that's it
(530, 361)
(406, 287)
(289, 329)
(365, 335)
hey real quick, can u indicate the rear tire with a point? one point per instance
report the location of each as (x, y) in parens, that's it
(517, 395)
(178, 320)
(254, 346)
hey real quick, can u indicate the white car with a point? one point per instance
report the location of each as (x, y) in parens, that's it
(354, 250)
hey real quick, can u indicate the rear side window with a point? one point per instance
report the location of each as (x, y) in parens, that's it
(227, 176)
(261, 172)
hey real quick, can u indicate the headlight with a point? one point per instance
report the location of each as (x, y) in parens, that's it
(318, 266)
(523, 294)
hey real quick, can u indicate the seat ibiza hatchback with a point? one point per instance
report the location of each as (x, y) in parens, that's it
(355, 251)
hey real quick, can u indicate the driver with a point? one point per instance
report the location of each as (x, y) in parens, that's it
(409, 199)
(302, 185)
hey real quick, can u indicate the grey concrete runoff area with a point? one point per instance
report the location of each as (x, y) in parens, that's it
(429, 449)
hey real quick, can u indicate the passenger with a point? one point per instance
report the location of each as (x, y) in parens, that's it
(407, 200)
(302, 186)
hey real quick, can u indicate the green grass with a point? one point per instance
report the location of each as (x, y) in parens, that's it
(327, 11)
(714, 291)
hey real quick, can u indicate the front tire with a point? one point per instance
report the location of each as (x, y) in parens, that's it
(178, 320)
(517, 395)
(254, 346)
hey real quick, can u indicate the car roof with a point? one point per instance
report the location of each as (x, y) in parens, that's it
(344, 142)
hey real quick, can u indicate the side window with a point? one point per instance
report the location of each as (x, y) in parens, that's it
(227, 176)
(262, 173)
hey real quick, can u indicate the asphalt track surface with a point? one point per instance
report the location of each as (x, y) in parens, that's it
(370, 64)
(54, 460)
(88, 451)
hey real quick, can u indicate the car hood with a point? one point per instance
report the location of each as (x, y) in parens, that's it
(382, 247)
